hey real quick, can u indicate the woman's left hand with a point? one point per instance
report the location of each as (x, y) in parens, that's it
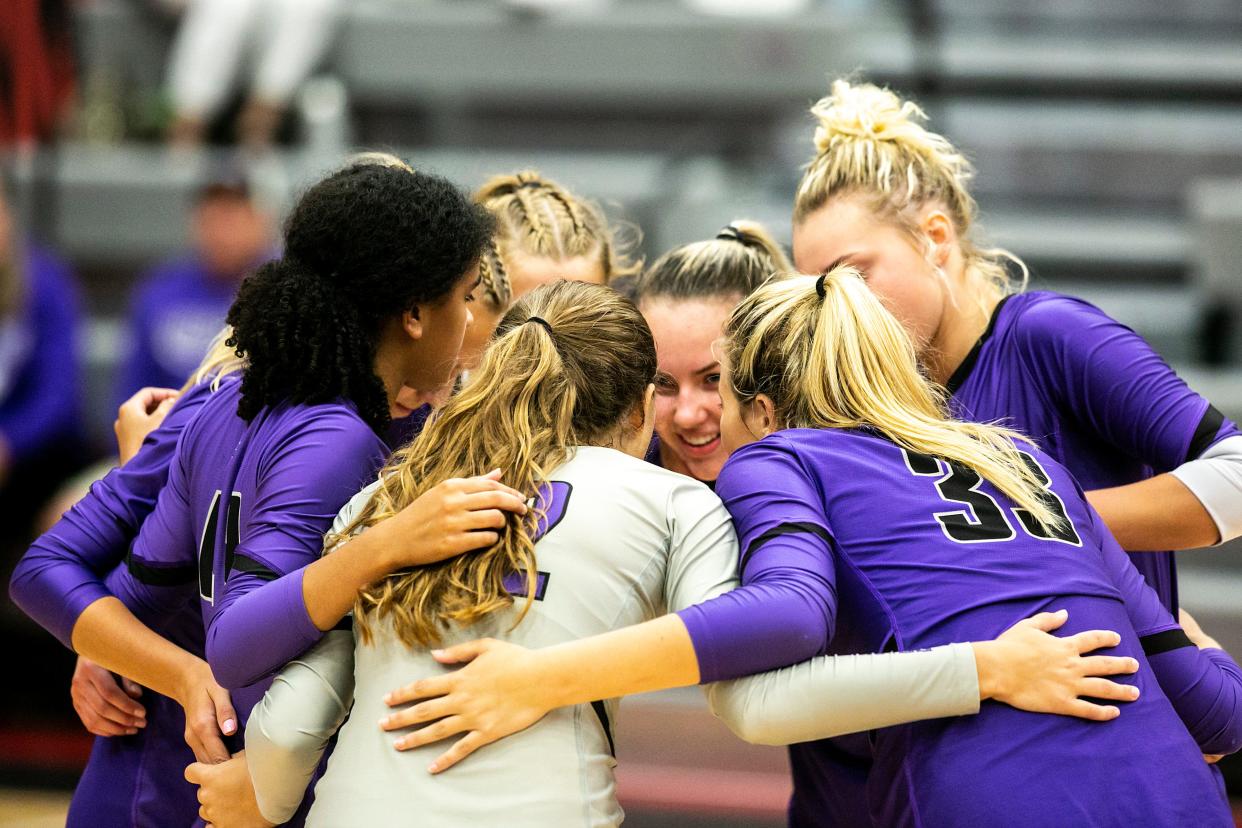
(500, 692)
(226, 794)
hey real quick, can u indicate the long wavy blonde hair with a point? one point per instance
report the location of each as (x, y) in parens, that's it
(543, 388)
(870, 143)
(843, 361)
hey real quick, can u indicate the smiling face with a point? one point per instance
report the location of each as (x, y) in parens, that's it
(843, 231)
(687, 404)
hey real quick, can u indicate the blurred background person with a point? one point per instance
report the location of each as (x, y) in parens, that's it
(36, 69)
(180, 305)
(40, 417)
(270, 46)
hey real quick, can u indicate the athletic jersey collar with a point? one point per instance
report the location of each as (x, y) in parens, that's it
(968, 364)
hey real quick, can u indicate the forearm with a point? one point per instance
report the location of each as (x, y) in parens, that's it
(331, 584)
(108, 633)
(290, 728)
(834, 695)
(655, 655)
(1155, 514)
(780, 620)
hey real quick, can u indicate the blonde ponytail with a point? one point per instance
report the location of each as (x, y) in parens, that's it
(869, 143)
(539, 217)
(857, 368)
(742, 256)
(567, 364)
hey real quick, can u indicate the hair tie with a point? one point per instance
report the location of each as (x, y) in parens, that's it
(731, 233)
(540, 321)
(819, 286)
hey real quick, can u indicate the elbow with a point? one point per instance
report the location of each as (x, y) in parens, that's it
(229, 671)
(1224, 741)
(730, 702)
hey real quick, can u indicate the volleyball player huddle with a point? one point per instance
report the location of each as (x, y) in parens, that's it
(914, 475)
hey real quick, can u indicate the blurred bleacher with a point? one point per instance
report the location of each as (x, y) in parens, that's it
(1107, 134)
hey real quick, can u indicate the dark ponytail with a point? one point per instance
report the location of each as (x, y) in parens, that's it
(361, 247)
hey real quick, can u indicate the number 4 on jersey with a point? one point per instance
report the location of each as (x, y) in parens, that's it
(982, 520)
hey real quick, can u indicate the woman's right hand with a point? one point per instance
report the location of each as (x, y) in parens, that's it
(452, 518)
(1031, 670)
(208, 713)
(139, 416)
(104, 702)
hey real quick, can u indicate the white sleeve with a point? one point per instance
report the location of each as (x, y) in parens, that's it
(834, 695)
(1215, 478)
(290, 727)
(703, 551)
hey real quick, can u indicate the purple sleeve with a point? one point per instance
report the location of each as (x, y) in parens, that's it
(302, 486)
(1107, 377)
(43, 405)
(62, 573)
(1204, 686)
(785, 610)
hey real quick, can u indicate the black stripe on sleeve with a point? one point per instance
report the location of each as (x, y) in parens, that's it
(241, 563)
(1162, 642)
(602, 712)
(783, 529)
(161, 576)
(1205, 432)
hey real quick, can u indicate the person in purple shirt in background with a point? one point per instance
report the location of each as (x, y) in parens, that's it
(369, 302)
(180, 304)
(685, 296)
(40, 409)
(891, 198)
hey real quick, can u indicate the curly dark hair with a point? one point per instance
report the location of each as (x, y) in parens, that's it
(362, 246)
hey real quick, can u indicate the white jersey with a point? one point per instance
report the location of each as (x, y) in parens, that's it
(627, 542)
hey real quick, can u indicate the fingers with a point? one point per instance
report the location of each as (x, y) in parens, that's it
(472, 485)
(194, 773)
(463, 748)
(106, 686)
(427, 711)
(206, 733)
(461, 653)
(1213, 758)
(467, 541)
(505, 499)
(432, 733)
(132, 688)
(1091, 640)
(1108, 665)
(1099, 688)
(1093, 712)
(421, 689)
(225, 717)
(1046, 621)
(494, 474)
(97, 725)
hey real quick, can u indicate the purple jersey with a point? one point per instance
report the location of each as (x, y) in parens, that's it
(245, 510)
(129, 780)
(921, 553)
(1093, 395)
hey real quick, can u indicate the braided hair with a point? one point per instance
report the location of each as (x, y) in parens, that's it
(362, 246)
